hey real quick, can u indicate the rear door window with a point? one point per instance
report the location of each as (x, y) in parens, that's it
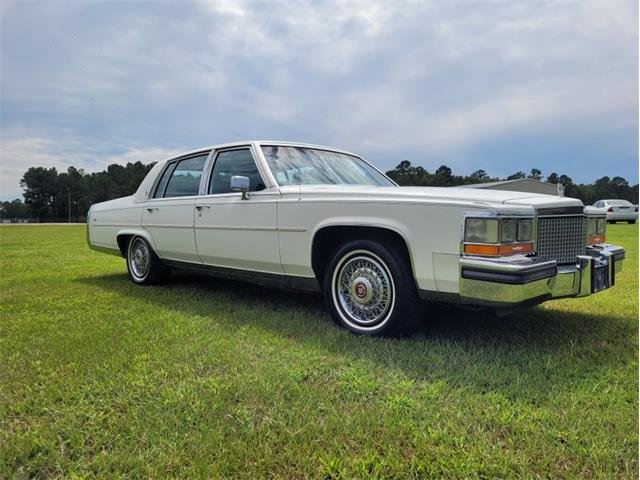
(182, 179)
(162, 184)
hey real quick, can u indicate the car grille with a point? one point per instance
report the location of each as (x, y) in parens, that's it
(562, 238)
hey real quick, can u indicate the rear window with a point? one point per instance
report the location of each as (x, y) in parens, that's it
(619, 202)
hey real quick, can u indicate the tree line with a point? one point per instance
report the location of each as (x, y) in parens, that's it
(603, 188)
(50, 195)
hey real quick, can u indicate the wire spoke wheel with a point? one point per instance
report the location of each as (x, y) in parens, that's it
(364, 289)
(139, 258)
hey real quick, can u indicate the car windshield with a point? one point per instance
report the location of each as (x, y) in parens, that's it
(311, 166)
(619, 202)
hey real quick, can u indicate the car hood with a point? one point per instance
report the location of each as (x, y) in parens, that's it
(472, 196)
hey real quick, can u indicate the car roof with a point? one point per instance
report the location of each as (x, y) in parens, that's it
(258, 143)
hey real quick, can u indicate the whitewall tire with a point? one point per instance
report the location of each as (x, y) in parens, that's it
(369, 289)
(143, 264)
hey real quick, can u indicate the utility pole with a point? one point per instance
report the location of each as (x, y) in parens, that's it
(69, 192)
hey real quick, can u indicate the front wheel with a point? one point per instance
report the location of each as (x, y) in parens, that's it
(145, 268)
(369, 289)
(631, 221)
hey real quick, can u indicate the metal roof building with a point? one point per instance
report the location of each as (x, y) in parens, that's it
(530, 185)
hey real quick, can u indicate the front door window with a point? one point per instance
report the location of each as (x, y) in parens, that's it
(234, 162)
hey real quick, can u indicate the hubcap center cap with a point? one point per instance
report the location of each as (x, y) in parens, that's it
(361, 290)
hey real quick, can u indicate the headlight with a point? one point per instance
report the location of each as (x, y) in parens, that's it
(600, 228)
(525, 230)
(592, 226)
(481, 230)
(509, 231)
(497, 236)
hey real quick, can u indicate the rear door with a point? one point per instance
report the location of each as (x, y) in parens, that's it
(168, 216)
(235, 233)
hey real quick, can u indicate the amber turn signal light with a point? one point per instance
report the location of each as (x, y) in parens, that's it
(593, 239)
(495, 250)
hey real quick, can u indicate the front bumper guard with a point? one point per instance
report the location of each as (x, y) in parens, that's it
(518, 279)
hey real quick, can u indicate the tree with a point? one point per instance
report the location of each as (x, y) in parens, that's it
(516, 176)
(443, 171)
(443, 177)
(13, 209)
(553, 178)
(602, 189)
(72, 194)
(404, 166)
(406, 174)
(39, 186)
(535, 174)
(570, 189)
(621, 187)
(479, 176)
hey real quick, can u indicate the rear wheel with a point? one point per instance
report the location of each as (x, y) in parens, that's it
(145, 268)
(369, 289)
(631, 221)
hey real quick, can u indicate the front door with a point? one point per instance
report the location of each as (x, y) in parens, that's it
(168, 217)
(232, 232)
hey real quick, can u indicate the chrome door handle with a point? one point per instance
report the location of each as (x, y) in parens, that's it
(200, 207)
(152, 209)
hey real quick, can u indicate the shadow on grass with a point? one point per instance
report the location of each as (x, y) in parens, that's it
(529, 354)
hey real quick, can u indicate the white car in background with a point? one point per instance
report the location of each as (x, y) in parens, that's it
(618, 210)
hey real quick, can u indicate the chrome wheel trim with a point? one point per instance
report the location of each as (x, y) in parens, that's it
(139, 258)
(363, 290)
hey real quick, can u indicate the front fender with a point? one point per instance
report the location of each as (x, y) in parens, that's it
(366, 222)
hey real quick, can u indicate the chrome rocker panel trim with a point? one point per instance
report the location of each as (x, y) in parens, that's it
(520, 280)
(265, 279)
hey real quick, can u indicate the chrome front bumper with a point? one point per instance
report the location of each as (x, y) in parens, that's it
(518, 279)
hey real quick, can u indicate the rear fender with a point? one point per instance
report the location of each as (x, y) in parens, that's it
(137, 232)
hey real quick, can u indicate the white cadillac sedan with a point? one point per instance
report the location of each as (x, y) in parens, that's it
(317, 218)
(618, 210)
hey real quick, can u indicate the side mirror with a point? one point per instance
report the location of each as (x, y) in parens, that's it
(240, 184)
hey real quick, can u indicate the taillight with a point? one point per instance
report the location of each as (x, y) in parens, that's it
(636, 209)
(611, 209)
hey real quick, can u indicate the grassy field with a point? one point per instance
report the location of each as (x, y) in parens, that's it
(209, 378)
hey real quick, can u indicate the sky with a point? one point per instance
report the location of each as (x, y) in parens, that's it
(499, 86)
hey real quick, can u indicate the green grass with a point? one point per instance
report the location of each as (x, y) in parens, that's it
(208, 378)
